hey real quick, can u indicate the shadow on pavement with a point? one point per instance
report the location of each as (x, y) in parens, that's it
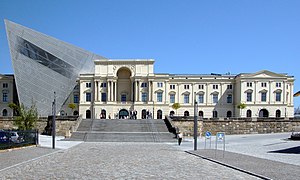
(293, 150)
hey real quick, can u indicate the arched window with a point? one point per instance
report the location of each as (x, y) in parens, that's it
(159, 114)
(229, 114)
(75, 113)
(249, 113)
(186, 113)
(88, 114)
(103, 114)
(201, 114)
(62, 112)
(172, 113)
(4, 112)
(263, 113)
(278, 113)
(215, 114)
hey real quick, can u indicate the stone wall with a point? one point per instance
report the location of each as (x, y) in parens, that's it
(64, 126)
(236, 126)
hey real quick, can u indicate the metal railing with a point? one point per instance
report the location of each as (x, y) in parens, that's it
(17, 138)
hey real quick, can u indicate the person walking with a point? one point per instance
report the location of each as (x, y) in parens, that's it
(180, 136)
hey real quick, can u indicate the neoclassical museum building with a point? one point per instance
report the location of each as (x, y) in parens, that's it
(119, 87)
(46, 68)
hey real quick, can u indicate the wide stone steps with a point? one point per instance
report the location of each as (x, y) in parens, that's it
(122, 130)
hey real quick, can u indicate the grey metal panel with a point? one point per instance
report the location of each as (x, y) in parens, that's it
(44, 65)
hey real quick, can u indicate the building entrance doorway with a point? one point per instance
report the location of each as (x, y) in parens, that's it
(264, 113)
(123, 114)
(144, 114)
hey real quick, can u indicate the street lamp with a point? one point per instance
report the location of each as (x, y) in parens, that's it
(195, 123)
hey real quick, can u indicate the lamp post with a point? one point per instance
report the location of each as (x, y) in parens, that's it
(195, 123)
(53, 121)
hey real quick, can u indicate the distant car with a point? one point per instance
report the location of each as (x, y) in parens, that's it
(4, 137)
(296, 133)
(15, 138)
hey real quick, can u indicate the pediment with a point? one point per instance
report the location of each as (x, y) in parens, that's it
(265, 74)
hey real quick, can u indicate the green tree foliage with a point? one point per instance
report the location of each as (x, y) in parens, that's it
(26, 118)
(72, 106)
(241, 106)
(176, 106)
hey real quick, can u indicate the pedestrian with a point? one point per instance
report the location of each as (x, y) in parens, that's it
(180, 136)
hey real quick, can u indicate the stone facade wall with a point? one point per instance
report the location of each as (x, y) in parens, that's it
(236, 126)
(63, 126)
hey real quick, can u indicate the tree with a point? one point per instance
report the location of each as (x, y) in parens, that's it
(241, 106)
(72, 106)
(26, 117)
(176, 106)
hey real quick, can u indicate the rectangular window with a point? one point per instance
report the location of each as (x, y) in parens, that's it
(201, 98)
(229, 98)
(5, 97)
(76, 98)
(201, 86)
(5, 85)
(215, 86)
(159, 84)
(278, 96)
(172, 86)
(88, 97)
(249, 84)
(263, 97)
(172, 98)
(278, 84)
(229, 86)
(103, 97)
(123, 98)
(88, 85)
(249, 97)
(103, 85)
(144, 84)
(144, 97)
(215, 98)
(186, 98)
(186, 86)
(263, 84)
(159, 96)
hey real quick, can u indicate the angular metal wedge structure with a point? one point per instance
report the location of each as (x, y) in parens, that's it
(44, 65)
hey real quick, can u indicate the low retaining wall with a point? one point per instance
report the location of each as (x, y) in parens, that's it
(64, 126)
(236, 126)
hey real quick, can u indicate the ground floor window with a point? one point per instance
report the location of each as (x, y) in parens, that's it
(249, 113)
(103, 114)
(263, 113)
(4, 112)
(215, 114)
(186, 113)
(201, 114)
(159, 114)
(88, 114)
(229, 114)
(278, 113)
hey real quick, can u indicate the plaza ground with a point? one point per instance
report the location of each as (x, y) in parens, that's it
(117, 160)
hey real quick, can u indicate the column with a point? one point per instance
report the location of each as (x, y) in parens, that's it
(192, 100)
(96, 91)
(115, 88)
(178, 93)
(108, 90)
(283, 92)
(206, 99)
(255, 91)
(151, 91)
(166, 94)
(221, 94)
(138, 91)
(270, 93)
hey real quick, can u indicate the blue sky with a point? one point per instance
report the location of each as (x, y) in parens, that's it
(194, 36)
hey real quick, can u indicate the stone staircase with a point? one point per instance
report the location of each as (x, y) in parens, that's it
(122, 130)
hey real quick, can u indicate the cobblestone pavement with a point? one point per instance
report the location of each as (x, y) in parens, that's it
(121, 161)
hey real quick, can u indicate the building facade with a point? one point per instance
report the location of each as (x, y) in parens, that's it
(8, 94)
(118, 88)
